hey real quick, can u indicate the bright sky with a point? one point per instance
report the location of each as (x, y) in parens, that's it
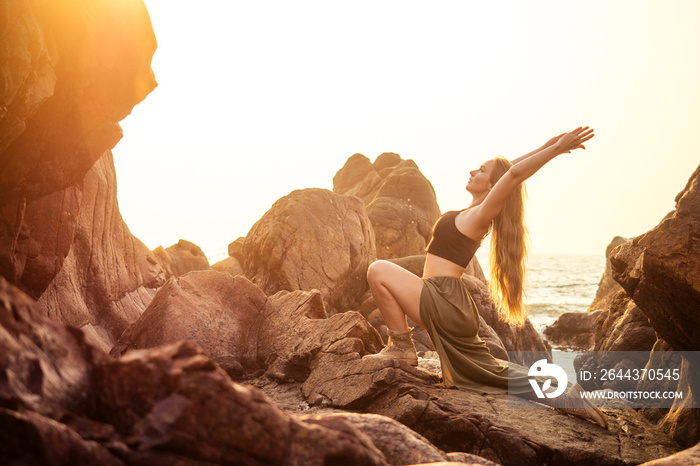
(257, 99)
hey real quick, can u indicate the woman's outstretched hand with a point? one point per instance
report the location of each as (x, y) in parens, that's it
(573, 140)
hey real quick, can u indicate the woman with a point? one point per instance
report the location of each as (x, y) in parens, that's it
(440, 303)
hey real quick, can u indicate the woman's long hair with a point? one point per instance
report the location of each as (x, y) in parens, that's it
(509, 249)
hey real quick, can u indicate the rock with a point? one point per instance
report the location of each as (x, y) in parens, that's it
(660, 270)
(491, 426)
(401, 202)
(63, 401)
(243, 330)
(689, 457)
(182, 403)
(682, 421)
(294, 331)
(235, 249)
(608, 287)
(35, 238)
(398, 443)
(574, 329)
(231, 265)
(72, 72)
(622, 327)
(312, 239)
(30, 438)
(109, 277)
(44, 364)
(351, 179)
(217, 311)
(62, 101)
(181, 258)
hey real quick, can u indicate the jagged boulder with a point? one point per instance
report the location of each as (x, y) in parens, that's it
(72, 71)
(230, 265)
(689, 457)
(242, 329)
(219, 312)
(490, 426)
(61, 235)
(181, 258)
(660, 270)
(63, 401)
(608, 287)
(574, 329)
(621, 327)
(109, 277)
(401, 202)
(312, 239)
(35, 238)
(62, 99)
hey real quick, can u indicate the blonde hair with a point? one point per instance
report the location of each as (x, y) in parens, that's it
(509, 249)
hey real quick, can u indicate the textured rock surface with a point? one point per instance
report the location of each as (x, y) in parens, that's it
(181, 258)
(608, 287)
(65, 402)
(217, 311)
(312, 239)
(660, 270)
(243, 330)
(485, 425)
(64, 94)
(574, 330)
(398, 443)
(35, 238)
(109, 277)
(230, 265)
(61, 235)
(621, 327)
(689, 457)
(401, 202)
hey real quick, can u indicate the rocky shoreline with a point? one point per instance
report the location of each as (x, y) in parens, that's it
(113, 353)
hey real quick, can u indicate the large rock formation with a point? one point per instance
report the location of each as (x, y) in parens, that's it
(401, 202)
(312, 239)
(109, 277)
(491, 426)
(660, 270)
(72, 70)
(242, 329)
(658, 310)
(62, 100)
(65, 402)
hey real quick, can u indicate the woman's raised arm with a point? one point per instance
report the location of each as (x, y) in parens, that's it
(542, 147)
(524, 169)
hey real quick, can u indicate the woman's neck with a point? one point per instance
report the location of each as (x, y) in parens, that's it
(477, 200)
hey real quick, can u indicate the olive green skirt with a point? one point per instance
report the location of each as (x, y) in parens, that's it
(452, 321)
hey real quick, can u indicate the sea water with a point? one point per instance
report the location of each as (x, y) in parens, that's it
(559, 283)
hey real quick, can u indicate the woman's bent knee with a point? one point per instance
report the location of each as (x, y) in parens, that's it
(376, 270)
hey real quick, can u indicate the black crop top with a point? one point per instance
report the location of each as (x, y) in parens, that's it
(450, 243)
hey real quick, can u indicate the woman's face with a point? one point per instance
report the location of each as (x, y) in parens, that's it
(479, 179)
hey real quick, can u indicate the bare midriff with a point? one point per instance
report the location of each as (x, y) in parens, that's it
(436, 266)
